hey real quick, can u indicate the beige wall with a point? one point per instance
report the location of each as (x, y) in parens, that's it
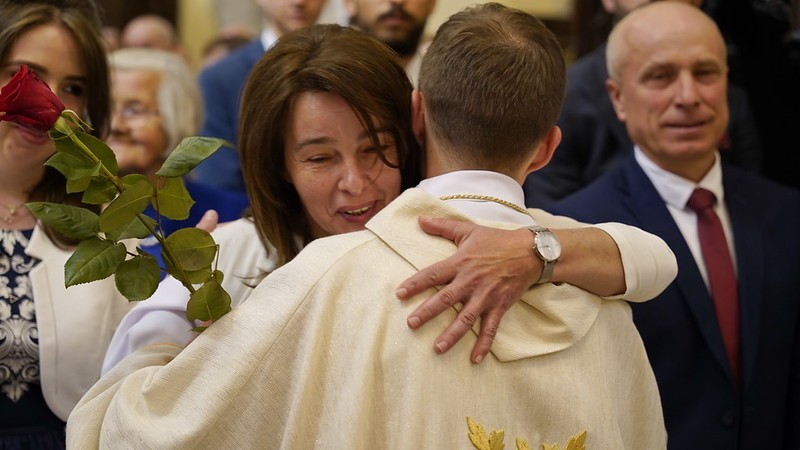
(196, 26)
(198, 20)
(540, 8)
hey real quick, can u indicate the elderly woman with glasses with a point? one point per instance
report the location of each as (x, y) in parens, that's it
(156, 105)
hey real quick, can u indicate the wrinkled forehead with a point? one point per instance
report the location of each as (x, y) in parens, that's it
(703, 41)
(675, 30)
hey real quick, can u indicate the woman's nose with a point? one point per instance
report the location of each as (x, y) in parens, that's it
(118, 122)
(354, 179)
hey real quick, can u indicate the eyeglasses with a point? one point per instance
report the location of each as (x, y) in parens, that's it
(134, 111)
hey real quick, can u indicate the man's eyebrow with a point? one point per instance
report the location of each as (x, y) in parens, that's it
(708, 63)
(655, 65)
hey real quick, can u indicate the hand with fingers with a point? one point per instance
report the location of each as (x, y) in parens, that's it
(489, 272)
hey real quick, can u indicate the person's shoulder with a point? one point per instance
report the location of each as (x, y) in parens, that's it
(600, 186)
(764, 191)
(589, 71)
(238, 230)
(334, 256)
(732, 173)
(242, 58)
(598, 201)
(339, 257)
(330, 249)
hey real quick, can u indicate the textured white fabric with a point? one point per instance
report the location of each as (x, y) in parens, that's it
(320, 357)
(162, 317)
(75, 325)
(647, 262)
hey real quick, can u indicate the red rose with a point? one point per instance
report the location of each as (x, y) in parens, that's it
(28, 101)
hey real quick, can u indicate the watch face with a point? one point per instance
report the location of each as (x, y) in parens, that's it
(548, 245)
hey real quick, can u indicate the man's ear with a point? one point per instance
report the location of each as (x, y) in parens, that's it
(418, 117)
(616, 96)
(547, 147)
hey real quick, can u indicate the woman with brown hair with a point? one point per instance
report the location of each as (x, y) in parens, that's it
(52, 338)
(325, 140)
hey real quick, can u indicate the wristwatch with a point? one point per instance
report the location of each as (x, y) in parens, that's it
(547, 246)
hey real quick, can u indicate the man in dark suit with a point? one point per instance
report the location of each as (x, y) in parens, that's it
(594, 138)
(221, 85)
(668, 85)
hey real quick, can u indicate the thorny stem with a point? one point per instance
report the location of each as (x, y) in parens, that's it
(62, 126)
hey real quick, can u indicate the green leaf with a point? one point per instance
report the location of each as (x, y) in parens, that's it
(99, 191)
(78, 185)
(57, 136)
(193, 249)
(93, 259)
(174, 200)
(188, 154)
(190, 276)
(137, 278)
(65, 145)
(135, 229)
(72, 221)
(198, 276)
(133, 178)
(102, 151)
(73, 167)
(210, 302)
(130, 203)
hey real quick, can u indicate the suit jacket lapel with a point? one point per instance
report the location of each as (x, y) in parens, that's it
(642, 196)
(750, 268)
(254, 51)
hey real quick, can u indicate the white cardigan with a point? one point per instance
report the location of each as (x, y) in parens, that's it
(75, 325)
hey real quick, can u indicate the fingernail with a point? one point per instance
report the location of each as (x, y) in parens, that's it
(413, 322)
(401, 293)
(441, 347)
(478, 359)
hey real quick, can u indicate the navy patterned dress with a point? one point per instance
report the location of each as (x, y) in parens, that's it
(26, 422)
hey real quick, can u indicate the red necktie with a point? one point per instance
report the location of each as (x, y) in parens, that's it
(719, 265)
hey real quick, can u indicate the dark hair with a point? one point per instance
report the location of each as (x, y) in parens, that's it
(89, 8)
(18, 19)
(493, 80)
(322, 58)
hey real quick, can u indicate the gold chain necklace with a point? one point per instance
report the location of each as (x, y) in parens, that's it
(487, 198)
(12, 212)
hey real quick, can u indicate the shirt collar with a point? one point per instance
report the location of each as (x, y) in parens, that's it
(480, 182)
(674, 189)
(268, 38)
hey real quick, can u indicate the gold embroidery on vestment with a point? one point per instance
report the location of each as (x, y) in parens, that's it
(494, 440)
